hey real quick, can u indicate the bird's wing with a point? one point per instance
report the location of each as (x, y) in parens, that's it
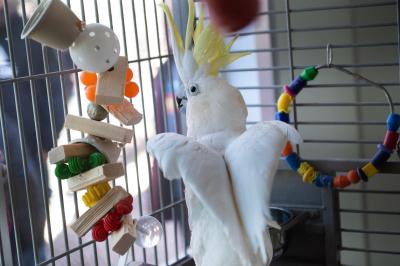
(204, 171)
(252, 161)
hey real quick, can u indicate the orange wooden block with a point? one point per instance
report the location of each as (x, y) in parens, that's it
(287, 150)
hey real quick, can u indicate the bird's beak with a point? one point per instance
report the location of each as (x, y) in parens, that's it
(181, 102)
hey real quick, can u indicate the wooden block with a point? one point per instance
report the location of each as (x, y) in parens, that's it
(98, 129)
(99, 174)
(123, 239)
(111, 84)
(105, 146)
(86, 221)
(124, 112)
(62, 153)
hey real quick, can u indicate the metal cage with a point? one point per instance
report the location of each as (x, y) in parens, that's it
(341, 120)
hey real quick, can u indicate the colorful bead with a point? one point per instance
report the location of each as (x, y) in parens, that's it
(88, 78)
(310, 175)
(131, 89)
(112, 221)
(370, 170)
(96, 112)
(95, 193)
(124, 206)
(96, 159)
(293, 161)
(99, 234)
(297, 85)
(309, 73)
(90, 93)
(390, 141)
(62, 171)
(287, 150)
(393, 122)
(288, 91)
(381, 156)
(362, 175)
(353, 177)
(77, 165)
(341, 181)
(323, 181)
(284, 102)
(281, 116)
(129, 74)
(304, 166)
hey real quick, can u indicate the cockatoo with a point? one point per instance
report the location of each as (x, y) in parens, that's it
(227, 170)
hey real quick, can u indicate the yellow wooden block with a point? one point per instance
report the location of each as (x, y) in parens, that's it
(283, 102)
(304, 166)
(310, 175)
(370, 170)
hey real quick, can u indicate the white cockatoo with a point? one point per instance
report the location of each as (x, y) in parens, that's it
(227, 170)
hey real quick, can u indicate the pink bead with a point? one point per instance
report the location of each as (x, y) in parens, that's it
(391, 140)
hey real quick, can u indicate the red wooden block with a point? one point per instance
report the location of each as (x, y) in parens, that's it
(391, 139)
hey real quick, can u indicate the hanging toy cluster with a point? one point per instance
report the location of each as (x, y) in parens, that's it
(305, 169)
(90, 163)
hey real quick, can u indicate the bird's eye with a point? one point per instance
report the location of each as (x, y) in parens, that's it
(194, 90)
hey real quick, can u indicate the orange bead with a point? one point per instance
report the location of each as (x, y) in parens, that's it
(131, 89)
(88, 78)
(91, 93)
(287, 150)
(341, 181)
(129, 75)
(353, 177)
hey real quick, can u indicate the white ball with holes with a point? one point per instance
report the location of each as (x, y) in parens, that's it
(96, 49)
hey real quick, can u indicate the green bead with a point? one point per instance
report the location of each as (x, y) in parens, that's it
(62, 171)
(96, 159)
(309, 73)
(78, 165)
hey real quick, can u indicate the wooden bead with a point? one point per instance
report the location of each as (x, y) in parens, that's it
(131, 89)
(287, 150)
(90, 93)
(297, 85)
(293, 161)
(390, 141)
(284, 102)
(96, 112)
(309, 73)
(288, 91)
(341, 181)
(88, 78)
(362, 175)
(129, 75)
(304, 166)
(281, 116)
(370, 170)
(393, 122)
(353, 177)
(310, 175)
(381, 156)
(323, 181)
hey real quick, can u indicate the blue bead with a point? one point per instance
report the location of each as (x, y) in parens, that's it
(362, 175)
(324, 181)
(293, 161)
(393, 122)
(282, 116)
(297, 85)
(381, 156)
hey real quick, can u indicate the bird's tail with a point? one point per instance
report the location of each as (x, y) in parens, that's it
(291, 133)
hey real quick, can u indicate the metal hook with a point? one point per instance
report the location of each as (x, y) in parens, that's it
(329, 55)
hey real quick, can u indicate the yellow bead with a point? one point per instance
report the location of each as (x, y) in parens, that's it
(310, 175)
(284, 102)
(370, 170)
(304, 166)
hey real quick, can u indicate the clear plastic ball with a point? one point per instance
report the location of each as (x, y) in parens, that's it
(149, 232)
(96, 49)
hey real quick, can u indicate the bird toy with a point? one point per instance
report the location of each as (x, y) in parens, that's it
(305, 169)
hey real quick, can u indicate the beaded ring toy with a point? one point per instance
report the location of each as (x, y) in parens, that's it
(308, 172)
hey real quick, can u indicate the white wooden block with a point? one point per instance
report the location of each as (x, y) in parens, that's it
(99, 174)
(124, 238)
(64, 152)
(98, 129)
(110, 87)
(105, 146)
(125, 112)
(86, 221)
